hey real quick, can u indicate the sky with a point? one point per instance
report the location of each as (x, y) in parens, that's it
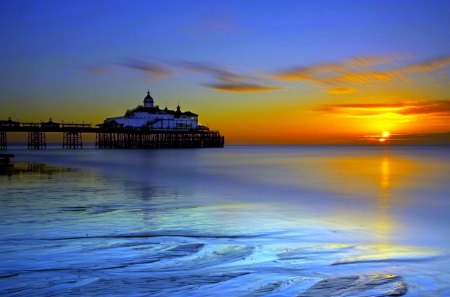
(260, 72)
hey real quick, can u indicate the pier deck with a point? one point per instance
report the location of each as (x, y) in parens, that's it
(112, 138)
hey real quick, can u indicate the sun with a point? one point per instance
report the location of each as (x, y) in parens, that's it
(384, 136)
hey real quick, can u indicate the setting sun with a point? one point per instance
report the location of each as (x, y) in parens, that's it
(386, 134)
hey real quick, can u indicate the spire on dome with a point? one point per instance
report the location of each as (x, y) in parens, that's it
(148, 100)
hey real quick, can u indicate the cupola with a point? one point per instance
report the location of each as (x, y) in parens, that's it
(148, 100)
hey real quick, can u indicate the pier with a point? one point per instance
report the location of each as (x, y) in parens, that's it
(146, 126)
(111, 137)
(3, 140)
(158, 139)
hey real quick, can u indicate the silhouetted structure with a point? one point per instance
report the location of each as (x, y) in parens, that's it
(72, 140)
(151, 116)
(145, 127)
(36, 140)
(144, 139)
(3, 140)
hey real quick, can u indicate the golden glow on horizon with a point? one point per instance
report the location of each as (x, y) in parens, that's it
(296, 118)
(384, 136)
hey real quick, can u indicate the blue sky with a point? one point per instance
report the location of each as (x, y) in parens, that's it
(61, 55)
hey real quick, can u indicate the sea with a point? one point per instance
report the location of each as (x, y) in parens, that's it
(233, 221)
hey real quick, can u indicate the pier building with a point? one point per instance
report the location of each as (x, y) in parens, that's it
(151, 116)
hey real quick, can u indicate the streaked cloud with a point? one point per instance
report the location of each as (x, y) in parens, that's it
(319, 73)
(428, 138)
(220, 73)
(368, 61)
(339, 78)
(434, 108)
(243, 88)
(355, 70)
(227, 80)
(358, 71)
(152, 69)
(427, 66)
(341, 91)
(410, 139)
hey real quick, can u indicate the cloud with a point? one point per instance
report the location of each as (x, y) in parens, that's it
(340, 77)
(151, 70)
(423, 138)
(369, 61)
(352, 72)
(224, 80)
(343, 77)
(243, 88)
(427, 66)
(358, 71)
(228, 81)
(434, 108)
(341, 90)
(154, 70)
(319, 73)
(361, 77)
(219, 73)
(441, 108)
(411, 139)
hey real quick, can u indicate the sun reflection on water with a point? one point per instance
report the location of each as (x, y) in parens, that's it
(384, 224)
(377, 181)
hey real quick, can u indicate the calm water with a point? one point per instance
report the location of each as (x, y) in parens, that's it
(238, 221)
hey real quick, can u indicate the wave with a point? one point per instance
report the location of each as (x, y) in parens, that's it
(153, 235)
(358, 285)
(357, 261)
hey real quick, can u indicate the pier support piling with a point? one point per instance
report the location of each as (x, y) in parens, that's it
(36, 140)
(72, 140)
(120, 138)
(3, 141)
(105, 140)
(157, 139)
